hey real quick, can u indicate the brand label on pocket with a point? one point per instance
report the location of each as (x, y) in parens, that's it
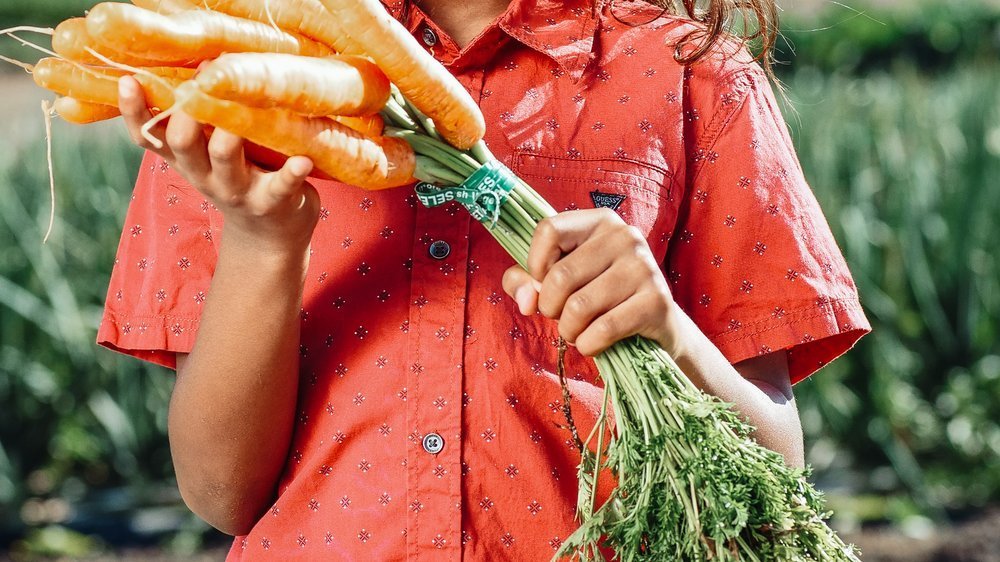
(607, 200)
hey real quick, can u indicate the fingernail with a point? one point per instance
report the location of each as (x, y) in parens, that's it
(301, 167)
(123, 87)
(523, 296)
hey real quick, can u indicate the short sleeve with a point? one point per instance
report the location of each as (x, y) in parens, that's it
(162, 270)
(752, 259)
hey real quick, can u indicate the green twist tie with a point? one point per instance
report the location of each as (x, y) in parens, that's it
(481, 194)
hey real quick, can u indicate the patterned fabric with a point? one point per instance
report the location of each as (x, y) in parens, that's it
(398, 344)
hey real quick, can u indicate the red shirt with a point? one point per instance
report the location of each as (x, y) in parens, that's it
(401, 347)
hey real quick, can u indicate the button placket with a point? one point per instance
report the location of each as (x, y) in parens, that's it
(437, 323)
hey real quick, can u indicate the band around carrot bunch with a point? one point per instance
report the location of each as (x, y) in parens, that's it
(344, 83)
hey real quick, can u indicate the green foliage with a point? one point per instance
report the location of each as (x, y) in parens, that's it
(41, 12)
(859, 37)
(73, 417)
(905, 167)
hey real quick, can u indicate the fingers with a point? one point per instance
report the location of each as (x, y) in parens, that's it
(640, 314)
(575, 270)
(186, 139)
(228, 166)
(288, 181)
(135, 113)
(522, 288)
(598, 279)
(597, 297)
(563, 233)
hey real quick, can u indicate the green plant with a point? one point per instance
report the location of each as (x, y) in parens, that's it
(73, 417)
(905, 165)
(863, 36)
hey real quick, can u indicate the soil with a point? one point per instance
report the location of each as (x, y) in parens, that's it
(976, 539)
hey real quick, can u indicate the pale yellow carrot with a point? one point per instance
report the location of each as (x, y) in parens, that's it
(344, 154)
(82, 112)
(98, 84)
(189, 35)
(422, 79)
(337, 85)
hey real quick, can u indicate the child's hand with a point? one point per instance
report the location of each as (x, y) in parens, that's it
(597, 276)
(271, 211)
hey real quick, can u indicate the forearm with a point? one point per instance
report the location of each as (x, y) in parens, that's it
(754, 387)
(233, 407)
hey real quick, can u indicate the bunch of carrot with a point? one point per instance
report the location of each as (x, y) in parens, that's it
(284, 75)
(342, 82)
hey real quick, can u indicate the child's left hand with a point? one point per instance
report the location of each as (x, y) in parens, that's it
(597, 276)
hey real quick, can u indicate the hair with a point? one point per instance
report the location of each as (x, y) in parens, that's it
(753, 22)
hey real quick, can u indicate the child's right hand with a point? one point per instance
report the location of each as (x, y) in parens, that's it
(271, 211)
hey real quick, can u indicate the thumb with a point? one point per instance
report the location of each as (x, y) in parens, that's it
(522, 288)
(288, 180)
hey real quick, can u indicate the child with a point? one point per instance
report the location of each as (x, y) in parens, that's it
(352, 383)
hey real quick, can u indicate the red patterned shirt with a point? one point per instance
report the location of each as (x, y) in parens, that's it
(429, 423)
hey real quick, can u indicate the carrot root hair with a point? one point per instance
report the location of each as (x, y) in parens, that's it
(147, 127)
(24, 42)
(28, 67)
(47, 112)
(28, 28)
(270, 18)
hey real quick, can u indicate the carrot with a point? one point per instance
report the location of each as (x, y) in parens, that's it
(71, 41)
(97, 84)
(307, 17)
(190, 35)
(368, 125)
(166, 6)
(336, 85)
(424, 81)
(366, 162)
(82, 112)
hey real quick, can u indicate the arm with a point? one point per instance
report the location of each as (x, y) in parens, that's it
(598, 278)
(233, 406)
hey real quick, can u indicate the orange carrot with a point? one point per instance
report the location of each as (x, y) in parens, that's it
(71, 41)
(366, 162)
(307, 17)
(167, 6)
(81, 112)
(336, 85)
(368, 125)
(190, 35)
(423, 80)
(97, 84)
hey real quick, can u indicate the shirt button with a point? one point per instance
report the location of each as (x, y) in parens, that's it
(429, 37)
(439, 250)
(433, 443)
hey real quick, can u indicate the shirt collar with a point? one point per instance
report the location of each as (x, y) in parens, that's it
(563, 30)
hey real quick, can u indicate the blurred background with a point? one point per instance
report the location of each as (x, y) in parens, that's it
(895, 110)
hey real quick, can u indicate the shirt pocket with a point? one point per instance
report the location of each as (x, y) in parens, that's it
(641, 193)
